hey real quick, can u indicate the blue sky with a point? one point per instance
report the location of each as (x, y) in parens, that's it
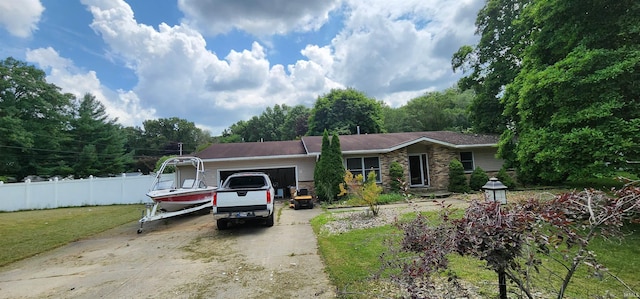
(215, 62)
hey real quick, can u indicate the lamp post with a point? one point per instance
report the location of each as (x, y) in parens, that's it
(495, 190)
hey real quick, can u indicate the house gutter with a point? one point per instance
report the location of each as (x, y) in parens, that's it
(256, 157)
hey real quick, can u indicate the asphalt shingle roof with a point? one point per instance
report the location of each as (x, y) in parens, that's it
(382, 142)
(252, 149)
(348, 143)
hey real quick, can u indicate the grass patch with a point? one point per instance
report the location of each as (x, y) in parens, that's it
(27, 233)
(388, 198)
(352, 257)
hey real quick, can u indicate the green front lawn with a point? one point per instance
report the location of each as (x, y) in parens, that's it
(27, 233)
(353, 257)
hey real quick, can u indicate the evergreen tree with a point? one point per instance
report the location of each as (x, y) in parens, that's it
(457, 179)
(478, 178)
(396, 173)
(329, 171)
(320, 172)
(99, 140)
(336, 166)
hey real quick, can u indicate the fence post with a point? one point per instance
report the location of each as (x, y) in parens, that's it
(90, 203)
(55, 192)
(122, 186)
(27, 194)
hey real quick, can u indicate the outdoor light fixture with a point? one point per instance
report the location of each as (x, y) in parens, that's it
(495, 190)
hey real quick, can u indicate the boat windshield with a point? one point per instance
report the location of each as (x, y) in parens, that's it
(162, 185)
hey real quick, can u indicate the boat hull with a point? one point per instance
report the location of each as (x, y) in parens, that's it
(178, 199)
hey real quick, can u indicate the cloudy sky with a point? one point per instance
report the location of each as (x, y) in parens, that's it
(215, 62)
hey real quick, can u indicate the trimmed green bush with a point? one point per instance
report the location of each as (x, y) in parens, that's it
(478, 178)
(396, 174)
(457, 179)
(505, 178)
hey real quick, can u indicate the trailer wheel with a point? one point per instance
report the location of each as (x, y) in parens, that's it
(139, 230)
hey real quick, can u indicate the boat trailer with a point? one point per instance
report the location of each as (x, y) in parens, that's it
(151, 212)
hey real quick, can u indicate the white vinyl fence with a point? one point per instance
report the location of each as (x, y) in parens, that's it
(69, 193)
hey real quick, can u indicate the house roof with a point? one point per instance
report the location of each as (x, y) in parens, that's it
(365, 143)
(392, 141)
(253, 149)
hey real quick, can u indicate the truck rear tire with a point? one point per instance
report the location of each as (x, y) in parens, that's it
(222, 224)
(269, 222)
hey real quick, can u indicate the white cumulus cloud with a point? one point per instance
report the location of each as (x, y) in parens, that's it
(404, 49)
(392, 51)
(179, 76)
(20, 17)
(258, 17)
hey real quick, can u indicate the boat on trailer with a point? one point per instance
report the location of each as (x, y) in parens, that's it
(172, 199)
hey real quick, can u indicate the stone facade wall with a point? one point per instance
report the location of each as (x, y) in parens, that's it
(399, 156)
(309, 185)
(439, 159)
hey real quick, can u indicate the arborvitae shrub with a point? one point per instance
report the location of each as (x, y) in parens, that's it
(396, 174)
(457, 179)
(478, 179)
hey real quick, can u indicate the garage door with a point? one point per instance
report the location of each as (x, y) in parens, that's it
(281, 178)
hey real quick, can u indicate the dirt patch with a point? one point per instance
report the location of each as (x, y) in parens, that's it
(180, 257)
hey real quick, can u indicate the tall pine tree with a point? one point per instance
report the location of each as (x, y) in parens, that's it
(98, 140)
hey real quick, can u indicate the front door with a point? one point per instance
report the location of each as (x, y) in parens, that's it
(419, 170)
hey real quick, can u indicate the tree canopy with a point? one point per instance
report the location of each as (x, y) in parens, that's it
(97, 139)
(33, 120)
(433, 111)
(493, 62)
(278, 123)
(559, 76)
(344, 111)
(575, 104)
(46, 132)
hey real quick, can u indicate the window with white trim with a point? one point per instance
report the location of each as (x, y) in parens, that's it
(466, 158)
(364, 165)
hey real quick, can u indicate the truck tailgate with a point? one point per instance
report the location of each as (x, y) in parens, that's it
(242, 198)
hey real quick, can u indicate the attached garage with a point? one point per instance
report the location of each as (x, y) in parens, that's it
(281, 177)
(286, 162)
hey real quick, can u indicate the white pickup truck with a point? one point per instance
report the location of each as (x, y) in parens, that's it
(244, 196)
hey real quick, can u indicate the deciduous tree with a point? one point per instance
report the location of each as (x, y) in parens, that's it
(343, 111)
(33, 120)
(574, 103)
(494, 62)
